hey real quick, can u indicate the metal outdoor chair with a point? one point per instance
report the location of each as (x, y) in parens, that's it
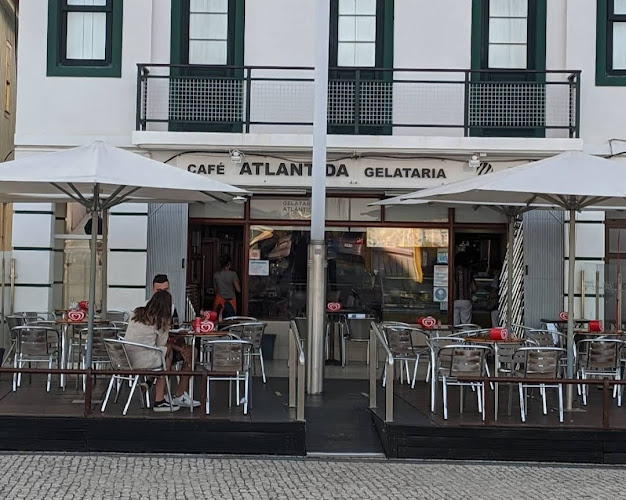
(400, 342)
(355, 330)
(506, 363)
(253, 333)
(12, 321)
(600, 358)
(435, 344)
(99, 354)
(119, 360)
(520, 331)
(34, 344)
(120, 325)
(118, 316)
(546, 338)
(468, 327)
(35, 316)
(539, 362)
(463, 360)
(471, 332)
(243, 319)
(229, 360)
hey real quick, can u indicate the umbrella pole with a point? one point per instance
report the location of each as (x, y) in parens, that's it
(92, 276)
(570, 307)
(509, 279)
(104, 279)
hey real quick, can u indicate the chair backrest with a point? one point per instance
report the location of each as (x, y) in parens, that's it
(505, 355)
(42, 322)
(117, 316)
(358, 328)
(35, 340)
(100, 334)
(229, 356)
(120, 325)
(116, 350)
(458, 360)
(471, 332)
(243, 319)
(251, 331)
(601, 354)
(14, 320)
(435, 344)
(393, 323)
(399, 340)
(545, 338)
(37, 316)
(540, 361)
(520, 331)
(468, 326)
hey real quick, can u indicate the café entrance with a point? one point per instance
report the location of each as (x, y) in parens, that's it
(483, 254)
(208, 243)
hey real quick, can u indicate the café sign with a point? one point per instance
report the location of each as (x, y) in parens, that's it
(364, 172)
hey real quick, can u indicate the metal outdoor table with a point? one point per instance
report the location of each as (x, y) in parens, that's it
(190, 339)
(333, 319)
(65, 326)
(560, 323)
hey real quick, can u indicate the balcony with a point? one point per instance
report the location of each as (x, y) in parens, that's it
(361, 101)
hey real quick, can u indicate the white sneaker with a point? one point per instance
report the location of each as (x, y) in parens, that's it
(186, 401)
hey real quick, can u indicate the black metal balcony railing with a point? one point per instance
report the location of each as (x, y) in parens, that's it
(360, 101)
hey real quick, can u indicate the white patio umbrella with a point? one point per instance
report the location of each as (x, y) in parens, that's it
(99, 177)
(573, 181)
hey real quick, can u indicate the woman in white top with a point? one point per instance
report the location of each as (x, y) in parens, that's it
(150, 325)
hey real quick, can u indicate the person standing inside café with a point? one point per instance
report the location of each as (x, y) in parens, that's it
(464, 288)
(226, 284)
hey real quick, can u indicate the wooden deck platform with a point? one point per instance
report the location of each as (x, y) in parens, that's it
(32, 419)
(338, 421)
(418, 433)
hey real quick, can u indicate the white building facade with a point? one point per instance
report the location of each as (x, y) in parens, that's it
(417, 89)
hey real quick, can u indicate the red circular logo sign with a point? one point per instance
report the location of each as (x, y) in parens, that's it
(333, 306)
(207, 326)
(429, 322)
(76, 315)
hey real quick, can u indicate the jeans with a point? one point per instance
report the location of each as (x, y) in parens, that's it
(462, 312)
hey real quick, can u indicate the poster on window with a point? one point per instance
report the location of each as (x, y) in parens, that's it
(259, 268)
(440, 275)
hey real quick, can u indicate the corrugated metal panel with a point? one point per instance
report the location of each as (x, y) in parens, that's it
(518, 279)
(543, 256)
(167, 248)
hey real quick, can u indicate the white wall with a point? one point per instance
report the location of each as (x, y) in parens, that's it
(70, 111)
(279, 33)
(601, 110)
(65, 111)
(432, 34)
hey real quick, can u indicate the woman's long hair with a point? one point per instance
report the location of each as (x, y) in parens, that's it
(157, 312)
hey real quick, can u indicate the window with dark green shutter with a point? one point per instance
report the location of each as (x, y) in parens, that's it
(611, 42)
(361, 53)
(508, 94)
(85, 38)
(206, 95)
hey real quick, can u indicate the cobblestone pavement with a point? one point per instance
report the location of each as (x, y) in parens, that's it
(188, 477)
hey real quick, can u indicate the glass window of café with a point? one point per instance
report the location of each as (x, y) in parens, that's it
(395, 273)
(390, 262)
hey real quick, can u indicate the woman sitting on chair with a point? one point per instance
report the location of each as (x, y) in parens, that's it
(150, 326)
